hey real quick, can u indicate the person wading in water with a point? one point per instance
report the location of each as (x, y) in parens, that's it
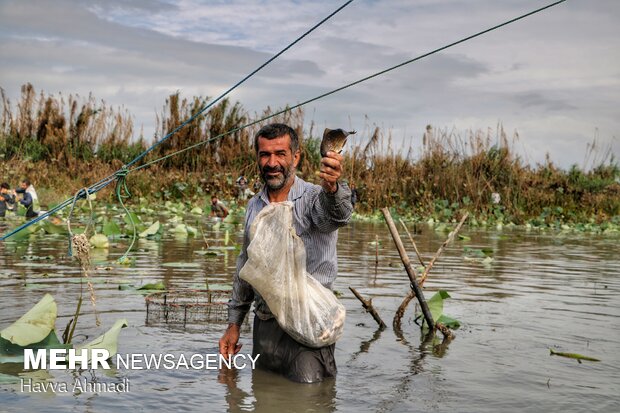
(318, 212)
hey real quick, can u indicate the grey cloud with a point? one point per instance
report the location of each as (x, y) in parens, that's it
(137, 52)
(541, 101)
(78, 26)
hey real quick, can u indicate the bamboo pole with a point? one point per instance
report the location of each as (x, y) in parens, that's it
(409, 269)
(441, 248)
(367, 304)
(415, 247)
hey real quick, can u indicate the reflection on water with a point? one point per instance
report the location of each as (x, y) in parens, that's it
(271, 393)
(540, 290)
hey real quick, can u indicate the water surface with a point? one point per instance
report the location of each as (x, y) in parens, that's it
(541, 291)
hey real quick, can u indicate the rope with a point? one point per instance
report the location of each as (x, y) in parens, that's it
(77, 196)
(81, 245)
(106, 181)
(175, 130)
(348, 85)
(96, 187)
(121, 185)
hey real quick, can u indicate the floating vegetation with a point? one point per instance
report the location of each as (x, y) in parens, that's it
(36, 330)
(435, 304)
(99, 241)
(152, 230)
(480, 255)
(475, 171)
(575, 356)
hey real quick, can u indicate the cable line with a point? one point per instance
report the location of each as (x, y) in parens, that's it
(96, 187)
(122, 173)
(348, 85)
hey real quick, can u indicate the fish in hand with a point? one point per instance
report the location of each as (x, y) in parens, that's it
(334, 140)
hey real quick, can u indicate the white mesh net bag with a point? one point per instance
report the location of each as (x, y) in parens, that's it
(276, 268)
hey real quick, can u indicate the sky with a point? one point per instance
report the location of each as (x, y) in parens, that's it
(553, 79)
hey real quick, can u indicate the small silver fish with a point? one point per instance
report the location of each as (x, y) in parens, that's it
(334, 140)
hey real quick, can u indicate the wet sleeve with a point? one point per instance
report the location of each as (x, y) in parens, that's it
(242, 293)
(27, 200)
(332, 211)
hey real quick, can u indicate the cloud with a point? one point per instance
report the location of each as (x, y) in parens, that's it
(553, 77)
(541, 102)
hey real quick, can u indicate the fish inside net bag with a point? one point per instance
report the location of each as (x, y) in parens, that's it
(276, 268)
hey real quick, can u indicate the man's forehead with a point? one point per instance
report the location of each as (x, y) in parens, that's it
(281, 142)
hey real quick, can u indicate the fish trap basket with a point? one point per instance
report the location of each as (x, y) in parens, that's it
(187, 307)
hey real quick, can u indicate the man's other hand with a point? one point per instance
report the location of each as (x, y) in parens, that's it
(330, 171)
(229, 341)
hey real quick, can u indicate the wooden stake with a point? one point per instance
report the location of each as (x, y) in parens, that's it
(376, 250)
(401, 310)
(447, 334)
(204, 237)
(440, 250)
(367, 304)
(415, 247)
(409, 269)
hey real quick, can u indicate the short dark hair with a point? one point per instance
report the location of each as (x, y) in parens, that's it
(275, 130)
(4, 185)
(26, 181)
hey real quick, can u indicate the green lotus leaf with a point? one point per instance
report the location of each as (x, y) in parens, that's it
(13, 353)
(108, 341)
(111, 229)
(99, 241)
(180, 231)
(153, 286)
(50, 228)
(152, 230)
(35, 325)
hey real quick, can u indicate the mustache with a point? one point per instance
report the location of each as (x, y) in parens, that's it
(278, 168)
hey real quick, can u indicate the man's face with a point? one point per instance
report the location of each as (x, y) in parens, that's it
(213, 201)
(23, 185)
(276, 161)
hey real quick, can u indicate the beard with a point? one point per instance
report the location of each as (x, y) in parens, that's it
(276, 182)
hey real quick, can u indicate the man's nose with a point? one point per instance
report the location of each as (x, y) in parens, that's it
(273, 161)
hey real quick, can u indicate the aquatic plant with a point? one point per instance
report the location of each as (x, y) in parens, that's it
(36, 330)
(441, 176)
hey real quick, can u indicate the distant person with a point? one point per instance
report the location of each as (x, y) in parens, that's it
(7, 199)
(218, 209)
(257, 186)
(354, 194)
(29, 200)
(243, 190)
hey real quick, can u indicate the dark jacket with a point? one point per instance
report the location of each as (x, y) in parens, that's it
(26, 201)
(5, 201)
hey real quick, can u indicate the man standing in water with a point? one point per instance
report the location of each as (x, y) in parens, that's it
(318, 212)
(7, 199)
(30, 199)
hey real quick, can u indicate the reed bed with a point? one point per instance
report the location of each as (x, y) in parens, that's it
(64, 143)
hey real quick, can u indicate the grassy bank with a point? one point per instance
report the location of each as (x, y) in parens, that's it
(63, 144)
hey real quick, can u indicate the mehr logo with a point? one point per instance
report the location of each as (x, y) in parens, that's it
(60, 358)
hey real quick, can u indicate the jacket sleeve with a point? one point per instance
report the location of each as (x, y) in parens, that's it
(242, 293)
(332, 211)
(27, 200)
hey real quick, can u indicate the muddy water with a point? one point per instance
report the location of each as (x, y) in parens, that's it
(540, 291)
